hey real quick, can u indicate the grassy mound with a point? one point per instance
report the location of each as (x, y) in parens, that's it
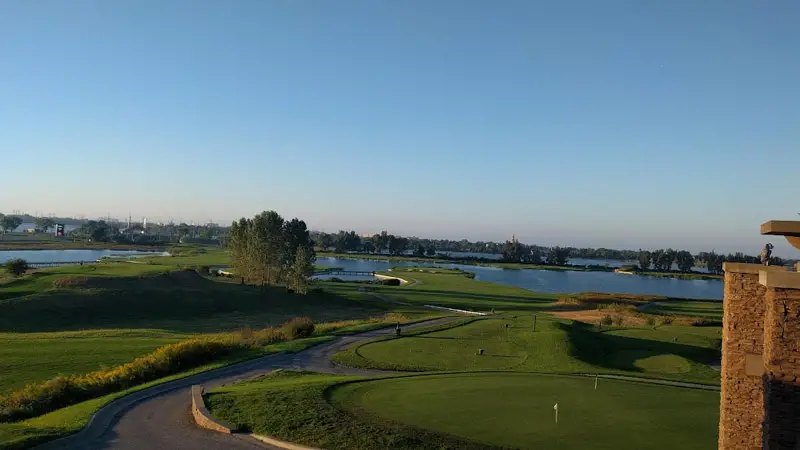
(293, 406)
(516, 410)
(556, 347)
(469, 411)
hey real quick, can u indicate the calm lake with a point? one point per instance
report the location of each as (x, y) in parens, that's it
(40, 256)
(557, 281)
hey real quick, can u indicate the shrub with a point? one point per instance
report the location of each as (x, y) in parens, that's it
(42, 397)
(619, 320)
(299, 327)
(606, 320)
(666, 321)
(651, 321)
(706, 323)
(203, 270)
(391, 282)
(17, 267)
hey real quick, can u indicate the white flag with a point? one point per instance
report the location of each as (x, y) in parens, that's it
(555, 406)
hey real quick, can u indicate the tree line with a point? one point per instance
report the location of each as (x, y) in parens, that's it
(268, 249)
(663, 260)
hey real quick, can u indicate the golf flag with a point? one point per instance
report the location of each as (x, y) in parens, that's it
(555, 407)
(595, 382)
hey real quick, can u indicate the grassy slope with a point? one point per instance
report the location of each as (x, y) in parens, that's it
(557, 346)
(29, 357)
(711, 310)
(293, 407)
(516, 410)
(75, 319)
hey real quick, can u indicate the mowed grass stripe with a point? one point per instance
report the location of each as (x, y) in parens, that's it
(516, 410)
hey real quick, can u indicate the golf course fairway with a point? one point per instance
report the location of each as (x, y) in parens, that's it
(517, 410)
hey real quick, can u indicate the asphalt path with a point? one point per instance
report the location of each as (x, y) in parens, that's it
(160, 417)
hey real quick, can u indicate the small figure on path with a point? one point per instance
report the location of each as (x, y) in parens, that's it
(397, 329)
(506, 327)
(480, 351)
(766, 254)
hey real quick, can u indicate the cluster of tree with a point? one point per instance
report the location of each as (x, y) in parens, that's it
(268, 249)
(517, 252)
(10, 223)
(662, 260)
(97, 231)
(603, 253)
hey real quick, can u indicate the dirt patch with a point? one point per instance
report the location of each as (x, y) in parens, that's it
(593, 316)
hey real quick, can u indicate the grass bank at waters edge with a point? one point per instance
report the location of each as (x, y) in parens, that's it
(467, 261)
(469, 410)
(75, 245)
(676, 275)
(711, 310)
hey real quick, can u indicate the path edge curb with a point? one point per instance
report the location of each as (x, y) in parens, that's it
(203, 418)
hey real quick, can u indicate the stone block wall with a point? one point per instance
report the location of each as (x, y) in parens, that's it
(760, 397)
(742, 395)
(782, 369)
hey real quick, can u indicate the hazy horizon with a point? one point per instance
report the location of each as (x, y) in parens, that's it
(615, 124)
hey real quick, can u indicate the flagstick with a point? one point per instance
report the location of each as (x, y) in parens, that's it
(595, 382)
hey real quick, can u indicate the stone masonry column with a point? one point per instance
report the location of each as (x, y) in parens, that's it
(742, 394)
(781, 360)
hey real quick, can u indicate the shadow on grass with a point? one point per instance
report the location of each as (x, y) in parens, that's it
(180, 303)
(621, 352)
(469, 299)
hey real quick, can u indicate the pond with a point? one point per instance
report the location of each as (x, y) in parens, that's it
(42, 256)
(557, 281)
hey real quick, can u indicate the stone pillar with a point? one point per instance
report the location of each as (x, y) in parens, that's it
(742, 395)
(782, 360)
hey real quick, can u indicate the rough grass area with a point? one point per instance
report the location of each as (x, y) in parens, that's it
(293, 406)
(125, 295)
(29, 357)
(557, 346)
(516, 410)
(710, 310)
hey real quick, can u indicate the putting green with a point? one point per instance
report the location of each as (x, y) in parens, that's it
(516, 410)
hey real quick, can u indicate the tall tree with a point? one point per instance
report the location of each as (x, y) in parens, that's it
(558, 255)
(295, 237)
(667, 258)
(431, 251)
(685, 261)
(301, 269)
(44, 223)
(10, 223)
(644, 260)
(657, 257)
(420, 251)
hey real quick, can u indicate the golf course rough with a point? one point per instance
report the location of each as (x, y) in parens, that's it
(516, 410)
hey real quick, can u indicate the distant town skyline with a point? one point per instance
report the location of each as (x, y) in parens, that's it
(583, 123)
(782, 248)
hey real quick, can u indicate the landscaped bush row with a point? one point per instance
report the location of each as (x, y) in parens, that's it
(42, 397)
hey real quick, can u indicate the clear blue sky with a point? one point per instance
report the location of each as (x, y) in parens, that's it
(589, 123)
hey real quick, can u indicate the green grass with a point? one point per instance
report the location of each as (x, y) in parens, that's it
(124, 295)
(516, 410)
(557, 346)
(455, 290)
(293, 407)
(711, 310)
(26, 358)
(469, 411)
